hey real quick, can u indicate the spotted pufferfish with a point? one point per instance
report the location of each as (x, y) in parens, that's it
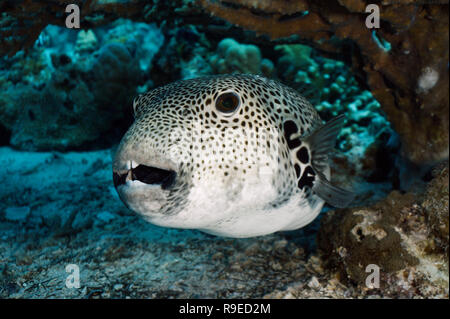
(230, 155)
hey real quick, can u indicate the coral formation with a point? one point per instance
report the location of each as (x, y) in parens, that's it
(368, 147)
(412, 37)
(22, 22)
(64, 113)
(233, 57)
(417, 101)
(406, 235)
(62, 89)
(86, 41)
(184, 54)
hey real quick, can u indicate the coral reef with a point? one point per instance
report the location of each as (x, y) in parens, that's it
(86, 41)
(62, 89)
(184, 54)
(71, 90)
(412, 37)
(368, 146)
(23, 21)
(64, 112)
(406, 235)
(233, 57)
(417, 101)
(146, 58)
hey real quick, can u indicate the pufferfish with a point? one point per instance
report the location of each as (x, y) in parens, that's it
(230, 155)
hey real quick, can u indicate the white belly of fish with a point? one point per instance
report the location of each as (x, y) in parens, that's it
(240, 211)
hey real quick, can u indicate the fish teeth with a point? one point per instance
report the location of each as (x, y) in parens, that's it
(129, 176)
(131, 164)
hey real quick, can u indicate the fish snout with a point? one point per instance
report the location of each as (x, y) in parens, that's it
(149, 175)
(144, 183)
(147, 167)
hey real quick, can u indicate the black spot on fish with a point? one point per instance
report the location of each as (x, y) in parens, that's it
(297, 170)
(307, 178)
(291, 128)
(302, 155)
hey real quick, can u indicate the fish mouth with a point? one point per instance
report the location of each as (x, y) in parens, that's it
(149, 175)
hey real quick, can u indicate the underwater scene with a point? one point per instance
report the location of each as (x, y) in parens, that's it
(225, 149)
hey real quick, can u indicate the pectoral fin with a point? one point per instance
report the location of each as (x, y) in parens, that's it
(321, 143)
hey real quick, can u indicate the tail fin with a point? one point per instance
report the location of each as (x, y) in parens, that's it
(321, 142)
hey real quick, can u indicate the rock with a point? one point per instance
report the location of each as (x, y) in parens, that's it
(436, 207)
(82, 220)
(406, 235)
(105, 217)
(314, 283)
(17, 214)
(118, 287)
(217, 256)
(46, 121)
(365, 236)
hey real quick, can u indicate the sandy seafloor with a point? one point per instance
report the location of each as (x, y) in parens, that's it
(61, 208)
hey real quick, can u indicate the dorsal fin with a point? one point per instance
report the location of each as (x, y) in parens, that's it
(321, 142)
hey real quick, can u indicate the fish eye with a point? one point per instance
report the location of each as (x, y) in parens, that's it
(228, 103)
